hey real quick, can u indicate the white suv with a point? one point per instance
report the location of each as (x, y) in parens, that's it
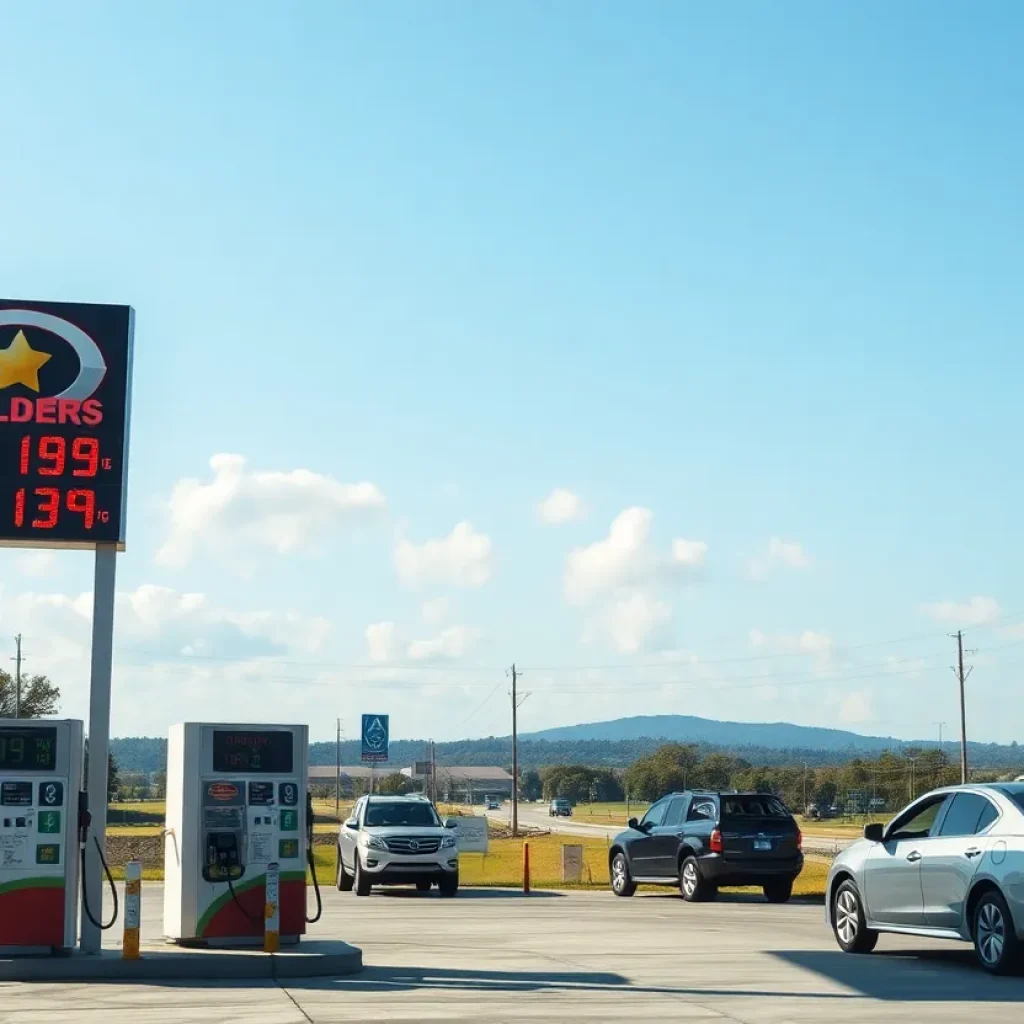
(397, 840)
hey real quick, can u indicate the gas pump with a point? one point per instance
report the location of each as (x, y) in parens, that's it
(40, 781)
(236, 802)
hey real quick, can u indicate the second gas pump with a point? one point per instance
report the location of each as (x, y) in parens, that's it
(237, 803)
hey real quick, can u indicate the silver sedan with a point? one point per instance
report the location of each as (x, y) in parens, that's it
(949, 866)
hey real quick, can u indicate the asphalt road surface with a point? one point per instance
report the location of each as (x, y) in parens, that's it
(495, 956)
(536, 816)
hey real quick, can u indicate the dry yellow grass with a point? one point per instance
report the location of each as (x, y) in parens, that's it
(503, 867)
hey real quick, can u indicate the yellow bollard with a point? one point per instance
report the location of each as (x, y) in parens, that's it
(132, 910)
(272, 910)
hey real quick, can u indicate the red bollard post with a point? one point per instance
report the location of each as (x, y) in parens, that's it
(526, 867)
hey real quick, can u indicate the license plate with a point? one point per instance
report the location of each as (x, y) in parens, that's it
(762, 844)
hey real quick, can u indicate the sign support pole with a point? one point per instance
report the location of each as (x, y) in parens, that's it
(99, 736)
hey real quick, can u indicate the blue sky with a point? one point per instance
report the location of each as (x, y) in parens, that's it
(756, 272)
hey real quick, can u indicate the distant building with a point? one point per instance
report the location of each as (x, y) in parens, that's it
(468, 784)
(455, 785)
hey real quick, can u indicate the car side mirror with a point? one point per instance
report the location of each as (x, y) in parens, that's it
(874, 832)
(451, 823)
(352, 823)
(633, 823)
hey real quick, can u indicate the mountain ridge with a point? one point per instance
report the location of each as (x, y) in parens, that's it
(762, 743)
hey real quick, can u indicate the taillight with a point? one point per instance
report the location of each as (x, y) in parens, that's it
(799, 839)
(716, 841)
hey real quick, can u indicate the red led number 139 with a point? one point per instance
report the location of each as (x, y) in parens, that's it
(48, 507)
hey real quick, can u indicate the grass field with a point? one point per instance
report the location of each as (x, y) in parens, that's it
(502, 866)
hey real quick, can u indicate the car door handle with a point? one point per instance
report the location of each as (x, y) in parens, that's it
(913, 856)
(973, 852)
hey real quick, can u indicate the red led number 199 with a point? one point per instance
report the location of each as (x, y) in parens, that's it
(52, 454)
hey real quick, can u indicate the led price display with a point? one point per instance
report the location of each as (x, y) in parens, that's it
(65, 382)
(254, 751)
(27, 750)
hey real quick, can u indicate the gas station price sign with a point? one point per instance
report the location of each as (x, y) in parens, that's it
(65, 398)
(251, 750)
(28, 750)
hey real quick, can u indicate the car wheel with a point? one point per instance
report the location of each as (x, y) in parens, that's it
(344, 878)
(695, 888)
(622, 884)
(778, 891)
(361, 884)
(995, 939)
(848, 922)
(449, 886)
(423, 887)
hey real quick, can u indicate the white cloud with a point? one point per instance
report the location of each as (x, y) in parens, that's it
(450, 645)
(807, 642)
(241, 511)
(689, 552)
(625, 557)
(386, 646)
(636, 623)
(37, 564)
(382, 641)
(974, 612)
(788, 554)
(463, 559)
(560, 506)
(436, 611)
(155, 623)
(856, 708)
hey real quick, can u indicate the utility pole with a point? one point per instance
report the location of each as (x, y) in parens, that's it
(805, 787)
(516, 701)
(962, 677)
(337, 774)
(940, 725)
(17, 677)
(433, 773)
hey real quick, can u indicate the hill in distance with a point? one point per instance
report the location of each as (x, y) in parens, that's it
(618, 743)
(689, 729)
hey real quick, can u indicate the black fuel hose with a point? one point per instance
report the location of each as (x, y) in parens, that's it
(113, 890)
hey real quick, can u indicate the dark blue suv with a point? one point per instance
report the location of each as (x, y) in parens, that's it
(701, 841)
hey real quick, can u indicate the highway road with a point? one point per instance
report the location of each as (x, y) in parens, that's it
(493, 956)
(536, 816)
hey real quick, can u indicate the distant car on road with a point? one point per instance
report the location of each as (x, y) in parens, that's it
(560, 808)
(702, 841)
(948, 866)
(493, 803)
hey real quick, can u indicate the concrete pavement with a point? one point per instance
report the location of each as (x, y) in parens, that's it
(494, 956)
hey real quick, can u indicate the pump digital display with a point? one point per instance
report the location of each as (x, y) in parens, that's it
(250, 751)
(27, 750)
(65, 374)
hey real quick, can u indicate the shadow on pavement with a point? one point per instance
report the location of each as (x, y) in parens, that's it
(467, 894)
(946, 975)
(392, 979)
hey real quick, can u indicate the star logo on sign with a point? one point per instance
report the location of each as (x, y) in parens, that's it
(20, 363)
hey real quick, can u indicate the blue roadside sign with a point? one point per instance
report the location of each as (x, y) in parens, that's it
(375, 738)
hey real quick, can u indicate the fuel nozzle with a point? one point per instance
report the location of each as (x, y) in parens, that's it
(84, 817)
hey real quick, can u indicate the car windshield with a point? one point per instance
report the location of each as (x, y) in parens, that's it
(401, 813)
(760, 806)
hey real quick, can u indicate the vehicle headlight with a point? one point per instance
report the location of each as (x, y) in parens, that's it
(374, 842)
(448, 842)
